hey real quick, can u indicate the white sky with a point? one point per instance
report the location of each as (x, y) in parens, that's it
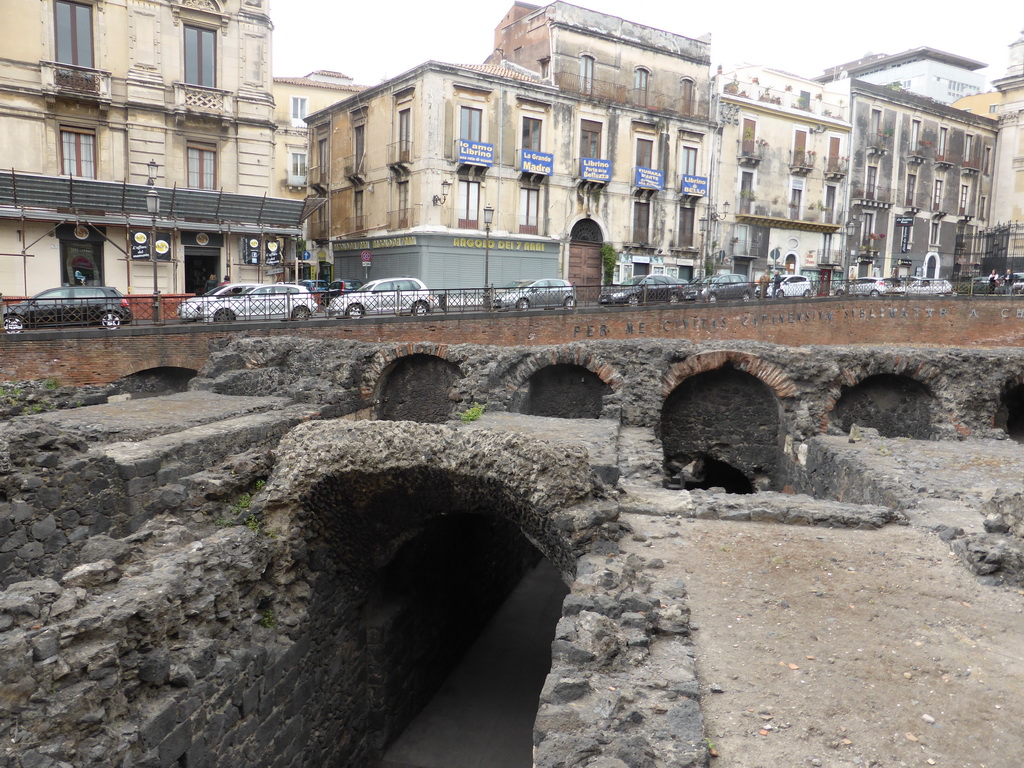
(373, 40)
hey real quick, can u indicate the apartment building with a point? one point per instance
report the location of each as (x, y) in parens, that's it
(1008, 195)
(582, 129)
(783, 163)
(110, 109)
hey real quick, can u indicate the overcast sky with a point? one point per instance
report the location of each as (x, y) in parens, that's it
(374, 40)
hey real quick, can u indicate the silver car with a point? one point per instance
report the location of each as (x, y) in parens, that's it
(523, 294)
(250, 301)
(393, 295)
(872, 286)
(791, 285)
(929, 286)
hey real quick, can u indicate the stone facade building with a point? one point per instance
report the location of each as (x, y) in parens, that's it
(782, 170)
(581, 129)
(104, 101)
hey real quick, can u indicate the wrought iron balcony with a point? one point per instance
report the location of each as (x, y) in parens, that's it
(836, 167)
(355, 167)
(801, 161)
(686, 105)
(400, 154)
(75, 82)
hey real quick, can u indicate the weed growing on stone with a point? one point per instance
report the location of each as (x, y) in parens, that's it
(474, 412)
(253, 524)
(52, 384)
(268, 619)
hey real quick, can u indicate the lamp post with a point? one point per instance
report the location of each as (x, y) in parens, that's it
(711, 222)
(153, 206)
(488, 218)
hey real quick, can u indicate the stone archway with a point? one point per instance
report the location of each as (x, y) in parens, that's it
(893, 403)
(585, 267)
(411, 383)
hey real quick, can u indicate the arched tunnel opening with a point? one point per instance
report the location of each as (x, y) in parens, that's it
(152, 382)
(417, 388)
(895, 405)
(1010, 416)
(563, 391)
(427, 565)
(721, 429)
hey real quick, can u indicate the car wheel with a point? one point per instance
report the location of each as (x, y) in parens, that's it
(634, 299)
(355, 310)
(673, 298)
(301, 313)
(712, 297)
(522, 304)
(746, 296)
(420, 308)
(223, 315)
(569, 302)
(13, 324)
(873, 293)
(110, 320)
(807, 293)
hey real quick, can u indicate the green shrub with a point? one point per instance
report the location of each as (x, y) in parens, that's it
(474, 412)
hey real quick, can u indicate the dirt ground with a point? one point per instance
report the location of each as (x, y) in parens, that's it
(836, 647)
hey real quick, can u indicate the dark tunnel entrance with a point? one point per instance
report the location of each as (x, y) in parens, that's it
(423, 561)
(155, 381)
(721, 429)
(895, 405)
(416, 388)
(1010, 416)
(563, 391)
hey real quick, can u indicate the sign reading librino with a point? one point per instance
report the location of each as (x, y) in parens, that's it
(541, 163)
(595, 169)
(694, 185)
(648, 178)
(475, 153)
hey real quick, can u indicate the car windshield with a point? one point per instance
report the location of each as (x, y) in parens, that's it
(232, 290)
(518, 284)
(635, 280)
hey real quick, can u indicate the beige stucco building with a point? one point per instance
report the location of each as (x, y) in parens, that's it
(581, 129)
(101, 96)
(1008, 195)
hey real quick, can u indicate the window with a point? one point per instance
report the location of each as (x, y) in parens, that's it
(300, 106)
(641, 78)
(689, 161)
(202, 162)
(911, 190)
(358, 146)
(529, 211)
(641, 221)
(871, 184)
(876, 123)
(935, 231)
(531, 133)
(321, 155)
(830, 202)
(969, 147)
(403, 204)
(470, 122)
(468, 204)
(587, 74)
(74, 34)
(686, 220)
(796, 200)
(545, 67)
(799, 147)
(686, 91)
(988, 158)
(78, 153)
(590, 139)
(297, 169)
(965, 194)
(937, 196)
(357, 211)
(405, 132)
(746, 191)
(644, 153)
(943, 141)
(200, 57)
(915, 134)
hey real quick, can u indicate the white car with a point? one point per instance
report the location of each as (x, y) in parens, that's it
(392, 295)
(791, 285)
(250, 301)
(929, 286)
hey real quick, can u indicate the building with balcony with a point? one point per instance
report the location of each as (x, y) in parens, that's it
(921, 183)
(582, 129)
(1008, 195)
(103, 102)
(782, 165)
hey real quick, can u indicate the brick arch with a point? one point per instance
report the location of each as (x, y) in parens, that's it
(776, 379)
(384, 358)
(514, 377)
(928, 374)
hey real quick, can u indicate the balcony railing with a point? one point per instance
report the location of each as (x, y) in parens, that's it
(355, 166)
(837, 167)
(945, 160)
(83, 82)
(400, 152)
(876, 193)
(687, 106)
(210, 101)
(751, 152)
(801, 161)
(354, 224)
(318, 230)
(401, 218)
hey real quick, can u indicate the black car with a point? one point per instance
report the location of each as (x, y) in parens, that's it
(643, 289)
(69, 305)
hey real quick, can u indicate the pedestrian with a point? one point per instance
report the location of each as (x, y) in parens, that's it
(777, 291)
(993, 281)
(1008, 280)
(226, 280)
(211, 283)
(762, 285)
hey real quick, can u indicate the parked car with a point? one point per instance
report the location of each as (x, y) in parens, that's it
(643, 289)
(720, 288)
(69, 305)
(791, 285)
(929, 286)
(392, 295)
(250, 301)
(872, 286)
(523, 294)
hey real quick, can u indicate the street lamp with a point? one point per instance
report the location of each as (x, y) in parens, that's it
(488, 218)
(153, 206)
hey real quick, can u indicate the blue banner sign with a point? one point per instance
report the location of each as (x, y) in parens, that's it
(541, 163)
(648, 178)
(595, 169)
(475, 153)
(695, 185)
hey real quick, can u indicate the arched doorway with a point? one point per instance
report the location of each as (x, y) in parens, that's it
(585, 254)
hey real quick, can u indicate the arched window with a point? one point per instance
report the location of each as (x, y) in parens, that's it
(587, 74)
(686, 96)
(641, 80)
